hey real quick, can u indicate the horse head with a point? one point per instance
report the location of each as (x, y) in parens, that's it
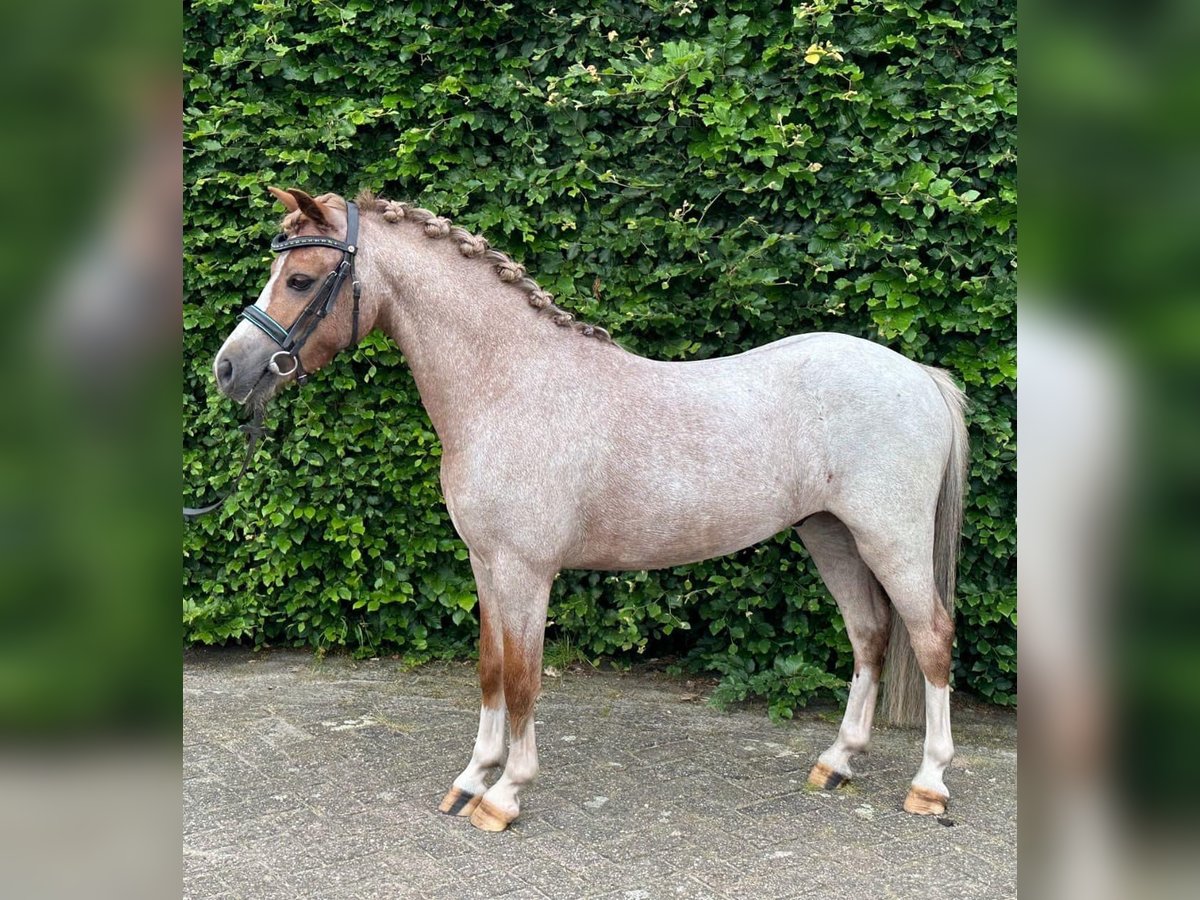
(309, 308)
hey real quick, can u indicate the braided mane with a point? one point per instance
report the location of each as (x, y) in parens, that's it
(474, 246)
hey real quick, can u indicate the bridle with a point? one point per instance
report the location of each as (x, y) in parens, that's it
(292, 340)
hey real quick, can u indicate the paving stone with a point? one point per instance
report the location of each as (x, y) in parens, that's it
(321, 779)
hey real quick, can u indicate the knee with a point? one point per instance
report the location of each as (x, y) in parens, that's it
(520, 695)
(522, 682)
(491, 678)
(491, 657)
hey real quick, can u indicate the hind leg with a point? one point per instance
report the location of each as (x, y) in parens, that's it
(905, 570)
(867, 616)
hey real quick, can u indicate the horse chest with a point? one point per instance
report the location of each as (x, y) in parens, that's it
(500, 500)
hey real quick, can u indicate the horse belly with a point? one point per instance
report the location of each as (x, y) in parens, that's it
(657, 528)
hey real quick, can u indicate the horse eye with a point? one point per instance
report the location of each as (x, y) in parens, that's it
(300, 282)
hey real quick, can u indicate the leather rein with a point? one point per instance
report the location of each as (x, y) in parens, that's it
(292, 340)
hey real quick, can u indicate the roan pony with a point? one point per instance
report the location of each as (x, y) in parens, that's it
(563, 450)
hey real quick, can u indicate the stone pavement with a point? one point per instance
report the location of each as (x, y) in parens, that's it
(308, 778)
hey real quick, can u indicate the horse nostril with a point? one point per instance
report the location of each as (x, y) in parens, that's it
(224, 373)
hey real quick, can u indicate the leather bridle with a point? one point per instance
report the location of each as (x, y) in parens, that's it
(292, 340)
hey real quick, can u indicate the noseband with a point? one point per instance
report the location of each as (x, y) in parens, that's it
(292, 340)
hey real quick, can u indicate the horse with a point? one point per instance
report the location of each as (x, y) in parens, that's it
(563, 450)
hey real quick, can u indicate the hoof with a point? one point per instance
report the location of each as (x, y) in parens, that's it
(825, 778)
(459, 803)
(488, 818)
(924, 802)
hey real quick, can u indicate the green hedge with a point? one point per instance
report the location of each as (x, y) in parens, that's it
(697, 182)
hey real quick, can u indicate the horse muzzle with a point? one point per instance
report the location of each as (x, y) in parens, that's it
(243, 370)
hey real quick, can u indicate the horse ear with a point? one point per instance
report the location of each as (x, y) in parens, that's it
(310, 207)
(285, 198)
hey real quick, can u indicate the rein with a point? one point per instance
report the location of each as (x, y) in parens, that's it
(292, 340)
(254, 431)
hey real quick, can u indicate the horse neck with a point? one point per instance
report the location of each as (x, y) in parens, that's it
(468, 337)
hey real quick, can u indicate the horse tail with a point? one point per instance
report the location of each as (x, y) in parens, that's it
(903, 686)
